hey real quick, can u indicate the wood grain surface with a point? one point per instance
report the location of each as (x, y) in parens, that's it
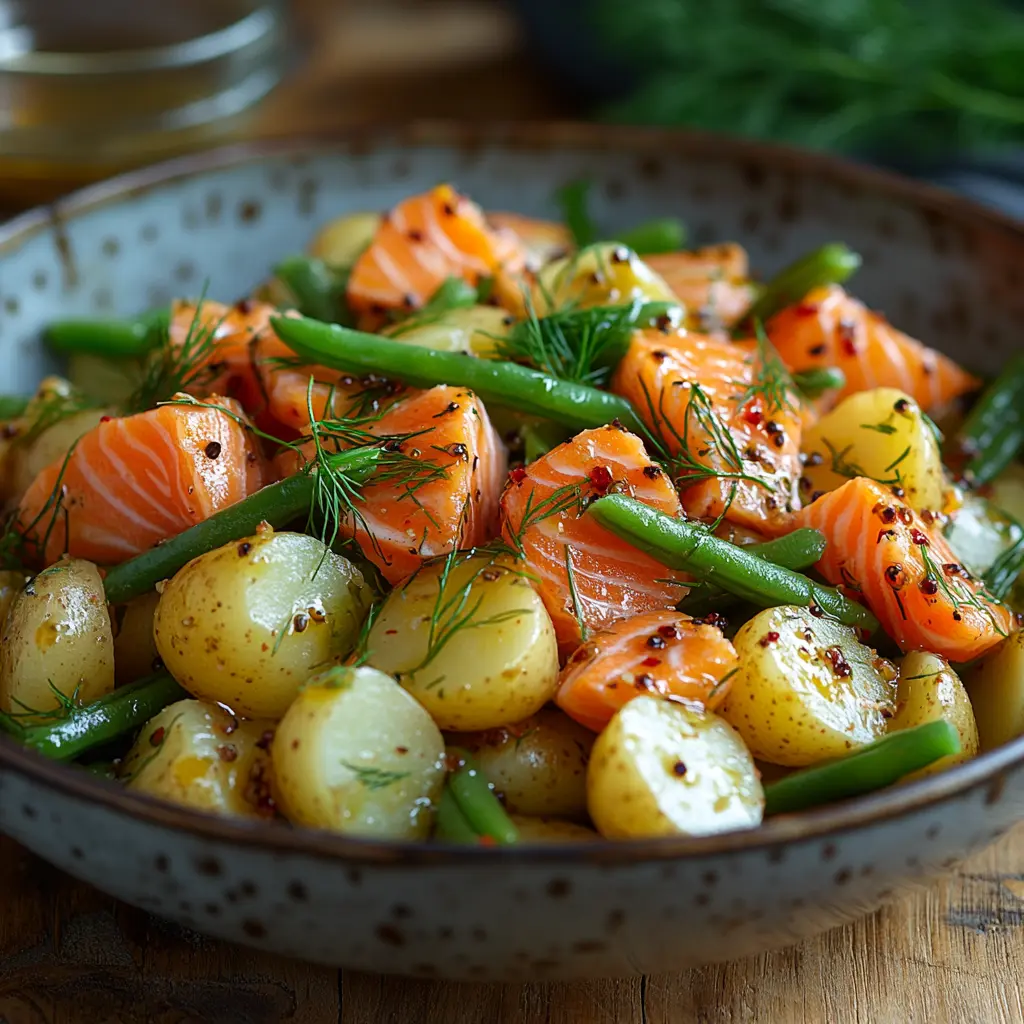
(69, 955)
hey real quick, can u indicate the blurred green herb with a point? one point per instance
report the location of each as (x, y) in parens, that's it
(848, 74)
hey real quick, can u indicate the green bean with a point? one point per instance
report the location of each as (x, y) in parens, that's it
(664, 235)
(277, 504)
(993, 434)
(528, 391)
(797, 550)
(114, 339)
(813, 383)
(872, 767)
(120, 712)
(450, 824)
(319, 290)
(1004, 572)
(831, 264)
(476, 800)
(12, 406)
(683, 545)
(572, 197)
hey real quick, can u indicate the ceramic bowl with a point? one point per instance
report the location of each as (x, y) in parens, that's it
(942, 268)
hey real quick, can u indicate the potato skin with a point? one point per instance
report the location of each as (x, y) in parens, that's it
(356, 754)
(218, 626)
(930, 691)
(11, 584)
(135, 653)
(538, 765)
(807, 690)
(666, 768)
(996, 688)
(340, 241)
(534, 829)
(500, 667)
(474, 330)
(198, 755)
(879, 434)
(57, 631)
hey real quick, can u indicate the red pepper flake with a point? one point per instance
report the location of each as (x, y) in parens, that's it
(669, 632)
(752, 416)
(716, 619)
(106, 419)
(656, 641)
(807, 309)
(929, 586)
(847, 331)
(840, 666)
(919, 538)
(517, 475)
(156, 737)
(771, 637)
(651, 662)
(906, 516)
(488, 841)
(600, 478)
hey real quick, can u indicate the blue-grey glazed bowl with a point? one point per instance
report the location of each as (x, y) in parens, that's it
(942, 268)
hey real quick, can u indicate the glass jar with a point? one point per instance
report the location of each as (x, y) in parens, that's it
(90, 87)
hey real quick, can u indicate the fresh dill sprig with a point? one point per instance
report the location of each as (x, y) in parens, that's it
(955, 584)
(574, 597)
(568, 497)
(771, 383)
(374, 778)
(49, 408)
(841, 465)
(172, 368)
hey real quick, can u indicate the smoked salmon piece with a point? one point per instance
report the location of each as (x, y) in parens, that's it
(586, 576)
(829, 328)
(660, 652)
(134, 481)
(881, 550)
(423, 241)
(713, 283)
(728, 418)
(448, 495)
(539, 241)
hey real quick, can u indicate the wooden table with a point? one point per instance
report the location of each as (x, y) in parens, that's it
(70, 955)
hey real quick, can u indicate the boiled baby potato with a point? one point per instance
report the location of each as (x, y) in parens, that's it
(56, 417)
(667, 768)
(477, 653)
(539, 765)
(551, 830)
(356, 754)
(135, 653)
(978, 532)
(880, 434)
(247, 624)
(996, 688)
(604, 274)
(806, 689)
(340, 242)
(57, 638)
(199, 755)
(474, 330)
(11, 584)
(930, 691)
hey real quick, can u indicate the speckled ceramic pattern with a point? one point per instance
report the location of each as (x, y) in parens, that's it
(937, 265)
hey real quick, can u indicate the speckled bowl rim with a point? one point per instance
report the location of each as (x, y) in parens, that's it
(987, 770)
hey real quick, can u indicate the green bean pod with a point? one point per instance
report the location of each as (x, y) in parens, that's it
(528, 391)
(831, 264)
(667, 234)
(277, 504)
(477, 802)
(118, 713)
(683, 545)
(993, 434)
(451, 825)
(813, 383)
(113, 339)
(318, 290)
(872, 767)
(797, 550)
(12, 406)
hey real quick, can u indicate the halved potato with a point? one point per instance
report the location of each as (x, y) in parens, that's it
(666, 768)
(477, 652)
(806, 689)
(929, 691)
(881, 434)
(340, 241)
(247, 624)
(201, 756)
(474, 330)
(11, 584)
(57, 638)
(551, 830)
(996, 688)
(538, 765)
(356, 754)
(135, 653)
